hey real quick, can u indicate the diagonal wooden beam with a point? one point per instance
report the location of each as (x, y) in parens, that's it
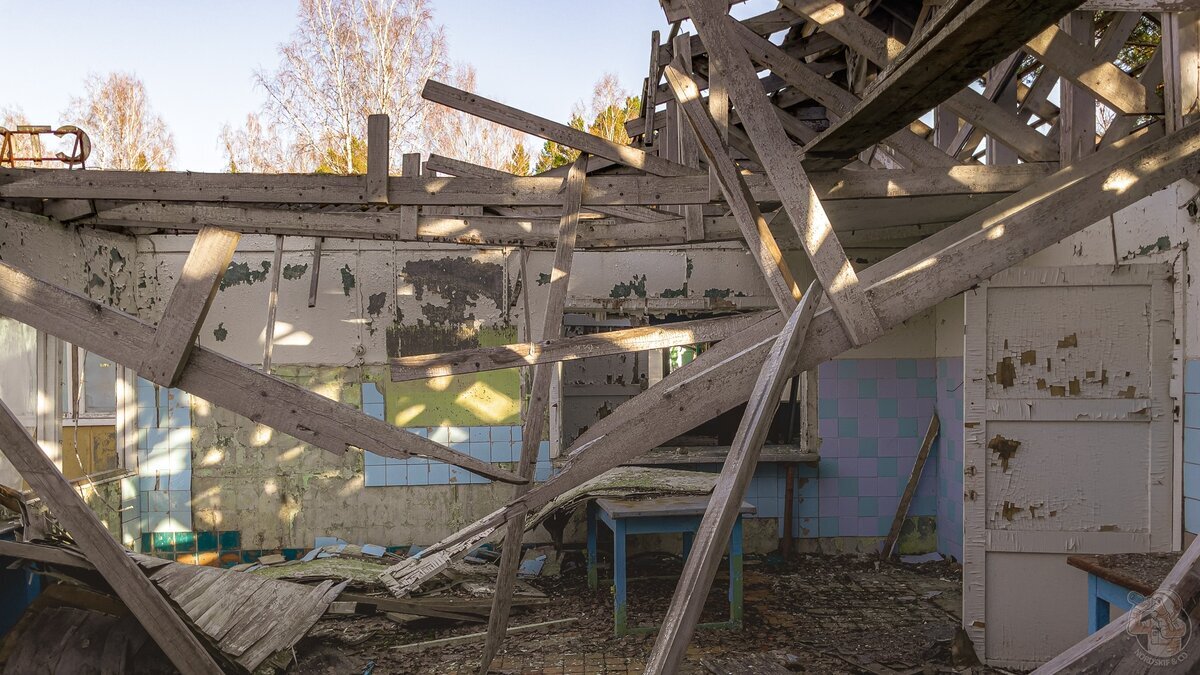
(976, 39)
(782, 164)
(717, 524)
(550, 130)
(184, 315)
(554, 350)
(271, 401)
(939, 268)
(152, 610)
(910, 489)
(1078, 64)
(535, 411)
(755, 230)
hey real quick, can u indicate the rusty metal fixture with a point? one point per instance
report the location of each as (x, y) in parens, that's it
(80, 149)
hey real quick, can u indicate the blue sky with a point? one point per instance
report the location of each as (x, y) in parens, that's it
(198, 58)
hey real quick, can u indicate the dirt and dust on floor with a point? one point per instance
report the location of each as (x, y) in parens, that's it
(815, 614)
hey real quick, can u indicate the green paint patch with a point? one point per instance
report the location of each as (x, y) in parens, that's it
(543, 279)
(674, 292)
(1160, 244)
(348, 280)
(239, 273)
(375, 303)
(918, 535)
(294, 272)
(635, 287)
(220, 333)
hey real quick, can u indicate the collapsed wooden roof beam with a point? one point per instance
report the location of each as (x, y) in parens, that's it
(939, 267)
(479, 106)
(263, 398)
(193, 294)
(552, 350)
(151, 609)
(782, 164)
(755, 230)
(712, 535)
(881, 49)
(979, 37)
(834, 98)
(537, 408)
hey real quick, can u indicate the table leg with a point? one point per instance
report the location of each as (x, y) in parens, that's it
(620, 608)
(1098, 609)
(687, 544)
(592, 562)
(735, 575)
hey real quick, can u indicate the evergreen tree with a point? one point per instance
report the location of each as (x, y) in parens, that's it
(518, 162)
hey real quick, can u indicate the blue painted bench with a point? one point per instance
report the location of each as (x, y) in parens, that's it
(1120, 580)
(660, 515)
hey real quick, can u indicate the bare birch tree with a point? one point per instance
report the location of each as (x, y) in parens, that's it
(126, 133)
(347, 60)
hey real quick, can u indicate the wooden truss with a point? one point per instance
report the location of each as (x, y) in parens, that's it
(825, 154)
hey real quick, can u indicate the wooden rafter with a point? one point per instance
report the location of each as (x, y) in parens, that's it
(541, 127)
(535, 411)
(571, 348)
(185, 311)
(755, 230)
(782, 164)
(1077, 63)
(717, 524)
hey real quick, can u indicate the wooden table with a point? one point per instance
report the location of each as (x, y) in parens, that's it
(1121, 580)
(659, 515)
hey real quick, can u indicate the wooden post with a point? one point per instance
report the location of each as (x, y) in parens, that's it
(650, 102)
(1077, 116)
(689, 154)
(272, 305)
(410, 215)
(535, 416)
(152, 610)
(314, 280)
(910, 489)
(717, 523)
(378, 160)
(190, 300)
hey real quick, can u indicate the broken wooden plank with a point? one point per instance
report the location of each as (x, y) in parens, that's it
(641, 338)
(648, 100)
(889, 543)
(783, 167)
(378, 157)
(536, 409)
(318, 244)
(976, 39)
(152, 610)
(755, 230)
(494, 111)
(969, 252)
(267, 400)
(188, 305)
(712, 535)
